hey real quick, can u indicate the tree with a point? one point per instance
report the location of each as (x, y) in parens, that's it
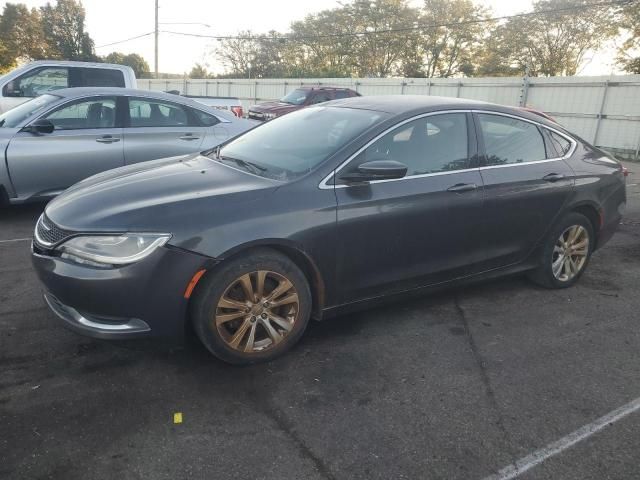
(378, 53)
(136, 62)
(198, 71)
(446, 50)
(254, 56)
(22, 36)
(237, 54)
(317, 49)
(63, 26)
(629, 53)
(549, 44)
(115, 57)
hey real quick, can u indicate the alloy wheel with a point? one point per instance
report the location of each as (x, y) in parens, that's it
(257, 311)
(570, 253)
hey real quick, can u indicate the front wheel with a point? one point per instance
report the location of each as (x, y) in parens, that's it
(566, 252)
(253, 308)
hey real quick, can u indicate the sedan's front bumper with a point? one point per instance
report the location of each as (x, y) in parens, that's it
(106, 328)
(146, 298)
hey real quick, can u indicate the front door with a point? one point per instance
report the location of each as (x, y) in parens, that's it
(159, 129)
(526, 185)
(420, 230)
(85, 141)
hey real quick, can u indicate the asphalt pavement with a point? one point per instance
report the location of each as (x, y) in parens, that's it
(459, 385)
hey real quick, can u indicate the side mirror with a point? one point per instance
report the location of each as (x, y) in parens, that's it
(376, 170)
(40, 125)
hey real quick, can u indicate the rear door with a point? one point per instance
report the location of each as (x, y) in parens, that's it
(526, 185)
(157, 129)
(422, 229)
(86, 141)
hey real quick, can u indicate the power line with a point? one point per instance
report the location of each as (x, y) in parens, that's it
(391, 30)
(399, 30)
(126, 40)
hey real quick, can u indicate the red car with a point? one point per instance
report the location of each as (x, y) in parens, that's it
(297, 99)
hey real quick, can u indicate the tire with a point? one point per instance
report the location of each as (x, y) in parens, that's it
(241, 330)
(553, 249)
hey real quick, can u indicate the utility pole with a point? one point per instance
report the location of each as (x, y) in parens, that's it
(156, 36)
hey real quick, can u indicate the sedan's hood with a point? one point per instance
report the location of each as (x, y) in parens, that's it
(154, 196)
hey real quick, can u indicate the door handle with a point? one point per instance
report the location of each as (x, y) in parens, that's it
(107, 139)
(189, 136)
(462, 187)
(553, 177)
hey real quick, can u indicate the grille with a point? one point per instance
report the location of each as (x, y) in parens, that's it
(48, 233)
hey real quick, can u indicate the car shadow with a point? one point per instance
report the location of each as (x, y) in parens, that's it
(17, 221)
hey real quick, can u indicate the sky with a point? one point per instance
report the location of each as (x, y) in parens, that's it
(111, 21)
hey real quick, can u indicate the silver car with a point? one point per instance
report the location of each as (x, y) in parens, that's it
(62, 137)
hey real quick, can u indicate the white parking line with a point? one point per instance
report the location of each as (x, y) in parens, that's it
(16, 240)
(539, 456)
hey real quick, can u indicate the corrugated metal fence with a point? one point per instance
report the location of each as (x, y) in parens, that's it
(602, 110)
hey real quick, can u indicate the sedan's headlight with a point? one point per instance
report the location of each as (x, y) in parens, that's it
(104, 250)
(270, 116)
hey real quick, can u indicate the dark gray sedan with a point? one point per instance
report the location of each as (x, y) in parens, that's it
(62, 137)
(324, 210)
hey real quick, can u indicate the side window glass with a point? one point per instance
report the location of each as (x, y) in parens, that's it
(508, 140)
(93, 113)
(320, 98)
(102, 77)
(437, 143)
(206, 119)
(561, 144)
(151, 113)
(36, 82)
(341, 94)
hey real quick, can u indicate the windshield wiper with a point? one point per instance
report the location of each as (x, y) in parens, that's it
(250, 166)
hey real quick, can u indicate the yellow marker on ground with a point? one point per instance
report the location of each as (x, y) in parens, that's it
(177, 417)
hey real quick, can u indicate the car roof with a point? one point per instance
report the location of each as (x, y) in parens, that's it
(79, 92)
(321, 87)
(72, 63)
(407, 105)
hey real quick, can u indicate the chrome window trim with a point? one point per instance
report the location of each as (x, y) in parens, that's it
(60, 103)
(574, 144)
(325, 186)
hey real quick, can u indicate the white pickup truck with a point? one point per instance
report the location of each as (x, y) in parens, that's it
(43, 76)
(231, 104)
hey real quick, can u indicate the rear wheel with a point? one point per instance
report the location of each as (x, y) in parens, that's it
(253, 308)
(566, 252)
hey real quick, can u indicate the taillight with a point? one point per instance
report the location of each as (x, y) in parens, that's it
(625, 171)
(237, 111)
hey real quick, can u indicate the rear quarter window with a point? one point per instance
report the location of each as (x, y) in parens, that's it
(97, 77)
(561, 145)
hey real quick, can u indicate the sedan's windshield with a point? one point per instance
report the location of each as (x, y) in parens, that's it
(292, 145)
(296, 97)
(16, 116)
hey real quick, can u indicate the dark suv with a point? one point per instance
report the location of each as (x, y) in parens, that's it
(297, 99)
